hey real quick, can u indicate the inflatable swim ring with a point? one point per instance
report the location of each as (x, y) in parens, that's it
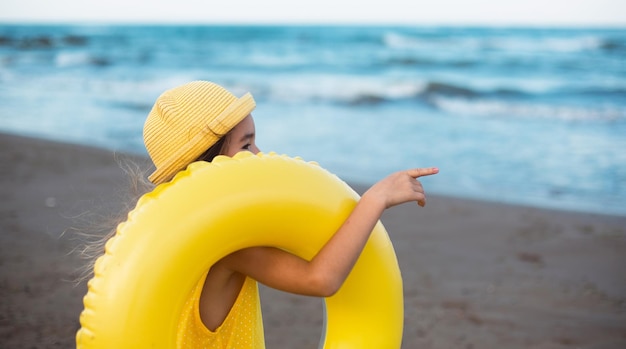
(181, 228)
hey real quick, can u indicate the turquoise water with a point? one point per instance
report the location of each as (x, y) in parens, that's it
(532, 116)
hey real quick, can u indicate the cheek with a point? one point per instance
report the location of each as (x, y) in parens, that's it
(227, 147)
(230, 150)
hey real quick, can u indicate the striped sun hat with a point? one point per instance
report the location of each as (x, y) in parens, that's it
(186, 121)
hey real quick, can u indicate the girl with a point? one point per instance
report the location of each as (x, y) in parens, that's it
(200, 120)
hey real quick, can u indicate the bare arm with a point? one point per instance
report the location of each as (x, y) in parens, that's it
(326, 272)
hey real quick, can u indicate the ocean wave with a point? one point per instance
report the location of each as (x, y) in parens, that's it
(423, 62)
(498, 108)
(42, 41)
(333, 89)
(357, 91)
(522, 41)
(400, 41)
(71, 59)
(423, 91)
(546, 44)
(614, 45)
(458, 98)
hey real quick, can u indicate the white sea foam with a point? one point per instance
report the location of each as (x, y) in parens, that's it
(511, 43)
(68, 59)
(496, 108)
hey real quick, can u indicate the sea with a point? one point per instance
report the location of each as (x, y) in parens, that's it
(528, 116)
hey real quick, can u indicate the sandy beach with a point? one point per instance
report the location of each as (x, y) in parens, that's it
(476, 274)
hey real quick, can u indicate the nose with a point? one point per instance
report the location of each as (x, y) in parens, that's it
(254, 149)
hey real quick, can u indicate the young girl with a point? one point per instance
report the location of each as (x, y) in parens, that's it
(200, 120)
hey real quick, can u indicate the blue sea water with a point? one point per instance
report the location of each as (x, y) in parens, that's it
(534, 116)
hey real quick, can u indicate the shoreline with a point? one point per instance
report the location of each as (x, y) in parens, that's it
(359, 186)
(476, 274)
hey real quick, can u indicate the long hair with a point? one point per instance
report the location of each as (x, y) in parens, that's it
(94, 228)
(101, 227)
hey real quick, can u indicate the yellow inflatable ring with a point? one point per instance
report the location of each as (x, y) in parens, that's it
(181, 228)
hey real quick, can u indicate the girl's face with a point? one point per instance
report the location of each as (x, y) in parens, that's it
(241, 138)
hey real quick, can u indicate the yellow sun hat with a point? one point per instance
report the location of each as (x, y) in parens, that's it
(186, 121)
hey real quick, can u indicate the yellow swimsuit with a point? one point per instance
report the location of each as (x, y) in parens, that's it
(242, 328)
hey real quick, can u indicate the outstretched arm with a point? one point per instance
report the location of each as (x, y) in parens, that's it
(326, 272)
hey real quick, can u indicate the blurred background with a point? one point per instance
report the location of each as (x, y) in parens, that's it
(514, 103)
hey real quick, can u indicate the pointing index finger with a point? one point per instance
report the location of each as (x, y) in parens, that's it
(421, 172)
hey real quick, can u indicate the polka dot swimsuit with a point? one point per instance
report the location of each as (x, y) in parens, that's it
(243, 327)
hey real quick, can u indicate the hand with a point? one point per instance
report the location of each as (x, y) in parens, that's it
(401, 187)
